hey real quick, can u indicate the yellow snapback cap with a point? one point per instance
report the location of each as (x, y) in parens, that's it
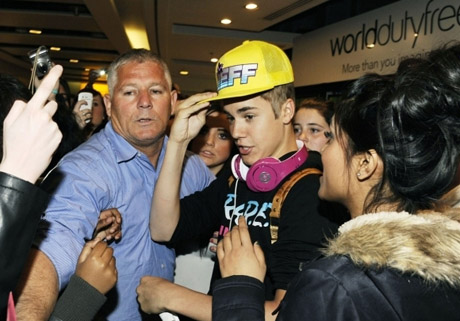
(253, 67)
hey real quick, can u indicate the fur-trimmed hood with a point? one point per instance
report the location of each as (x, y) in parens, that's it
(426, 244)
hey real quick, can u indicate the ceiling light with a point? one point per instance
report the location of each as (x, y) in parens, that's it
(183, 72)
(87, 69)
(55, 48)
(214, 60)
(415, 34)
(226, 21)
(137, 37)
(74, 61)
(35, 31)
(251, 6)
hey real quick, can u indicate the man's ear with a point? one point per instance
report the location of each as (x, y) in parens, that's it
(173, 102)
(108, 104)
(369, 163)
(287, 111)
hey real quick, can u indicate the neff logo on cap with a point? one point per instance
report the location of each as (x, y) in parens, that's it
(226, 76)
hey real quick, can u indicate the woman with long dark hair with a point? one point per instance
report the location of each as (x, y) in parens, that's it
(392, 154)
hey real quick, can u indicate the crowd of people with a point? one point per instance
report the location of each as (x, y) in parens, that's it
(319, 211)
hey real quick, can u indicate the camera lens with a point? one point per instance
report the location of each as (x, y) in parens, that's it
(42, 68)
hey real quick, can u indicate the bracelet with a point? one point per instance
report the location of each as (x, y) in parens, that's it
(55, 91)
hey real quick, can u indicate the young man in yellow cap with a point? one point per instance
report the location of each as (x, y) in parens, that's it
(255, 84)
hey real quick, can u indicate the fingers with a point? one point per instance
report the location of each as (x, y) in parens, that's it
(51, 107)
(96, 248)
(113, 263)
(244, 236)
(220, 251)
(259, 253)
(194, 103)
(235, 236)
(46, 87)
(99, 249)
(227, 241)
(87, 249)
(15, 111)
(115, 213)
(109, 214)
(196, 99)
(107, 254)
(78, 105)
(109, 224)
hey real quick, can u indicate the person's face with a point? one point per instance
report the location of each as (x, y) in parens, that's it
(214, 143)
(335, 179)
(63, 97)
(140, 105)
(256, 131)
(98, 111)
(309, 127)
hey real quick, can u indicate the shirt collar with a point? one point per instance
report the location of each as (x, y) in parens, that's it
(123, 150)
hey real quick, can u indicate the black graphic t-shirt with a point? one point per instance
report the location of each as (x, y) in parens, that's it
(304, 224)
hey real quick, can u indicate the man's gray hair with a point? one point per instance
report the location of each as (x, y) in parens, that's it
(134, 55)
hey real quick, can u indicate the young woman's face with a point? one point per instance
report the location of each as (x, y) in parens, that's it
(98, 111)
(309, 127)
(335, 179)
(214, 143)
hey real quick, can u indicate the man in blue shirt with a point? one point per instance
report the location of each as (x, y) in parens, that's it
(116, 168)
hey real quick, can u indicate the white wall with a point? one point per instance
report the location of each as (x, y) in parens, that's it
(338, 52)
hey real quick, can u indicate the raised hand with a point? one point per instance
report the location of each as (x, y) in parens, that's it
(108, 225)
(190, 117)
(82, 116)
(30, 136)
(238, 256)
(96, 265)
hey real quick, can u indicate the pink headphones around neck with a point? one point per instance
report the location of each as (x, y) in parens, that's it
(265, 174)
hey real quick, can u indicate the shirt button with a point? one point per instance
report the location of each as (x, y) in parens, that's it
(162, 266)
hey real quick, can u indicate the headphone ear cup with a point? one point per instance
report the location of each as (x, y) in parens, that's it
(236, 167)
(263, 176)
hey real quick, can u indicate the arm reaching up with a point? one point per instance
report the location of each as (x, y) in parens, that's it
(164, 215)
(30, 136)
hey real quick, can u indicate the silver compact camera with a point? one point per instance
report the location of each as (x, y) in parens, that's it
(40, 60)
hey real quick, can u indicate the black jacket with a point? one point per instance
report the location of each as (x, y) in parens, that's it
(80, 301)
(301, 232)
(381, 267)
(21, 206)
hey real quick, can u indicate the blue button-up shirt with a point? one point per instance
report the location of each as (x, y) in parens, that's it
(107, 172)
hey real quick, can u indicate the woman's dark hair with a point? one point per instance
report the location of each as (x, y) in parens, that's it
(325, 108)
(11, 89)
(66, 98)
(72, 135)
(412, 120)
